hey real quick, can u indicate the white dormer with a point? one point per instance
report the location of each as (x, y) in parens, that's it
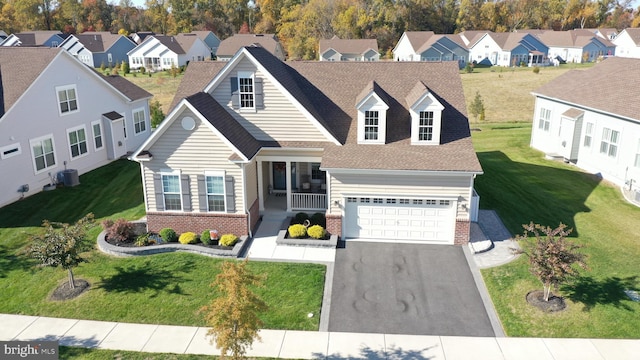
(426, 116)
(372, 115)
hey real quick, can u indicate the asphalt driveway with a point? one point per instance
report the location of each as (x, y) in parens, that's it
(405, 289)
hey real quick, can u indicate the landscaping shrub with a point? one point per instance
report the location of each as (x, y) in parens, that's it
(142, 70)
(316, 232)
(188, 238)
(318, 219)
(297, 231)
(536, 69)
(143, 240)
(299, 218)
(205, 237)
(228, 240)
(119, 230)
(168, 235)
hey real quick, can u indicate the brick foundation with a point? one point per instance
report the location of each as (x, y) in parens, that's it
(198, 222)
(334, 224)
(462, 232)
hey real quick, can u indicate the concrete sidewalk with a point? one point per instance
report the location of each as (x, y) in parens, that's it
(287, 344)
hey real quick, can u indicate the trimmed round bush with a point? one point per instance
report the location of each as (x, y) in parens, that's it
(188, 238)
(318, 219)
(168, 235)
(316, 232)
(300, 218)
(297, 231)
(205, 237)
(228, 240)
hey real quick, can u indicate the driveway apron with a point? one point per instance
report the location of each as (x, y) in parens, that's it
(405, 289)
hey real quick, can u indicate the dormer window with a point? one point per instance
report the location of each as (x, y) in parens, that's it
(426, 116)
(372, 115)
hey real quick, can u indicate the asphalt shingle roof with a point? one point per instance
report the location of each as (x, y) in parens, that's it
(608, 86)
(348, 46)
(231, 45)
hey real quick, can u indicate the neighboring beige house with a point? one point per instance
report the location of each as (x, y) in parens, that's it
(230, 46)
(336, 49)
(599, 131)
(628, 43)
(59, 119)
(382, 148)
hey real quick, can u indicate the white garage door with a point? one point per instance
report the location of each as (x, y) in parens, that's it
(429, 220)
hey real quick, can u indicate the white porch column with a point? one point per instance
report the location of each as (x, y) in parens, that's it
(288, 179)
(260, 187)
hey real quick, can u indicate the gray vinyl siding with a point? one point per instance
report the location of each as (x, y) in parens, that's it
(457, 187)
(192, 152)
(279, 120)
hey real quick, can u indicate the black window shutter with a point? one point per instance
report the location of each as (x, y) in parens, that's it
(202, 193)
(186, 192)
(157, 188)
(230, 194)
(259, 93)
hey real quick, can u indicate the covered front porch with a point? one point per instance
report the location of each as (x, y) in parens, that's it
(291, 184)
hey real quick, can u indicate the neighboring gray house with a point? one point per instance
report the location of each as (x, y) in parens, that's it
(98, 48)
(508, 49)
(599, 131)
(427, 46)
(230, 46)
(576, 46)
(336, 49)
(382, 148)
(209, 38)
(57, 114)
(46, 38)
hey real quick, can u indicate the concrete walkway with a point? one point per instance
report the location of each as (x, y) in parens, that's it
(308, 344)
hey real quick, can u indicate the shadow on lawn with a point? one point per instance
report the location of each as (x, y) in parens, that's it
(139, 278)
(10, 260)
(609, 291)
(522, 192)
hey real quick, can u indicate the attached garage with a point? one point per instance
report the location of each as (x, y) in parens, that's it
(425, 220)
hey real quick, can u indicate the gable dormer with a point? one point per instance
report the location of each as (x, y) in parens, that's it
(426, 116)
(372, 115)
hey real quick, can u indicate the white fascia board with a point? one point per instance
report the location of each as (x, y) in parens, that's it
(404, 36)
(244, 53)
(376, 96)
(427, 94)
(399, 172)
(587, 108)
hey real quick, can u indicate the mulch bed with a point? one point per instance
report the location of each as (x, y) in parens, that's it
(555, 303)
(65, 292)
(131, 243)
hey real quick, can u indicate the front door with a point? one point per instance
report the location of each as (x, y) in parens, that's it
(279, 175)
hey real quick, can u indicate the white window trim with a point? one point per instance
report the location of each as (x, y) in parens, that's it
(8, 148)
(146, 124)
(609, 143)
(373, 105)
(86, 139)
(588, 132)
(169, 172)
(247, 75)
(33, 158)
(93, 135)
(427, 103)
(544, 122)
(67, 87)
(218, 173)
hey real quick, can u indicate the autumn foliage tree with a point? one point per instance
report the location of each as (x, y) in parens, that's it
(61, 245)
(552, 257)
(233, 315)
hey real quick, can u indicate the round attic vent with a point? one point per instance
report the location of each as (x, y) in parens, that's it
(188, 123)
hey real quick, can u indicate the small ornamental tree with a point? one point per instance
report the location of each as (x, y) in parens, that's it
(233, 315)
(551, 255)
(157, 116)
(61, 245)
(477, 107)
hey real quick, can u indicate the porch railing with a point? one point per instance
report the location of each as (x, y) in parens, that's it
(308, 201)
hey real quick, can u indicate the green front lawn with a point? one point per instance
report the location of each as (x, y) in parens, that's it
(522, 186)
(160, 289)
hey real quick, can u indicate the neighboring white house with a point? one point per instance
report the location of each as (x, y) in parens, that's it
(592, 118)
(508, 49)
(426, 46)
(160, 52)
(99, 48)
(628, 43)
(383, 149)
(336, 49)
(230, 46)
(407, 47)
(47, 38)
(58, 114)
(576, 46)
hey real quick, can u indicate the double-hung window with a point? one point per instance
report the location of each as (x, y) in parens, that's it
(316, 173)
(545, 119)
(245, 89)
(43, 153)
(588, 134)
(171, 190)
(609, 143)
(67, 99)
(77, 142)
(139, 121)
(96, 127)
(425, 126)
(371, 125)
(215, 191)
